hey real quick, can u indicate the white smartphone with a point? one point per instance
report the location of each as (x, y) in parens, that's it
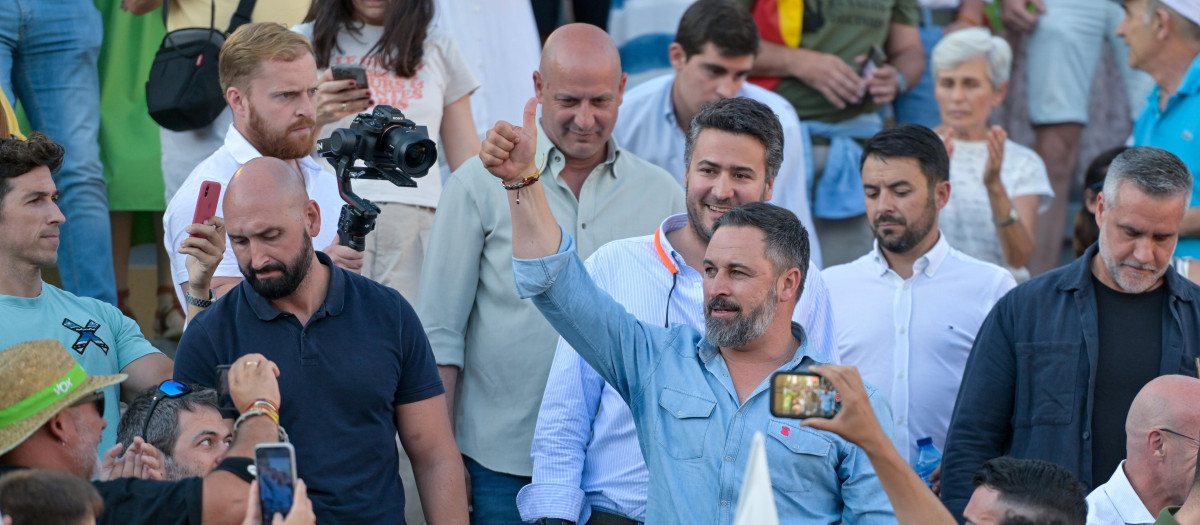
(276, 465)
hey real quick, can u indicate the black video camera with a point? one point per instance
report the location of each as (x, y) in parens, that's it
(391, 147)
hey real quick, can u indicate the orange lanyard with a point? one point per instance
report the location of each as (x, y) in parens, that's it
(666, 260)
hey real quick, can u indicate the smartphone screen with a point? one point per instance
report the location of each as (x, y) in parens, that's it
(224, 398)
(276, 464)
(801, 395)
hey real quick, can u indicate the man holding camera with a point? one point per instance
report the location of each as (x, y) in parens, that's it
(270, 78)
(355, 364)
(697, 399)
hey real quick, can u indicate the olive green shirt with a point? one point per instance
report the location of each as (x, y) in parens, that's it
(469, 304)
(1167, 516)
(846, 28)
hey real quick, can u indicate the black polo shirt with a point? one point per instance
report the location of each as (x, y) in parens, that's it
(342, 375)
(129, 501)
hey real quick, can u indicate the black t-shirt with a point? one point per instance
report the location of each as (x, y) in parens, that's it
(138, 501)
(1130, 330)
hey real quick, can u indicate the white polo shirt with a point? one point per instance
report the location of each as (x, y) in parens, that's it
(220, 167)
(1116, 503)
(911, 337)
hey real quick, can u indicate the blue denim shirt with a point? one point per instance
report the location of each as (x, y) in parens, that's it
(694, 433)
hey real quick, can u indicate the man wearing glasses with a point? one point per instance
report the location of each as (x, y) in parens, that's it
(98, 336)
(183, 422)
(1160, 455)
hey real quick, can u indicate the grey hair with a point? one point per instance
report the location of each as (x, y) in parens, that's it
(1156, 172)
(786, 238)
(1190, 29)
(740, 116)
(967, 44)
(163, 430)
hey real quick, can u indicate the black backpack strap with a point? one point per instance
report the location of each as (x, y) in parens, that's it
(241, 16)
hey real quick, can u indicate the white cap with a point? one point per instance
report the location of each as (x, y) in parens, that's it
(1190, 9)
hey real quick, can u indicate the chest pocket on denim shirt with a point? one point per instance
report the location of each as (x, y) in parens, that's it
(1047, 383)
(683, 423)
(807, 447)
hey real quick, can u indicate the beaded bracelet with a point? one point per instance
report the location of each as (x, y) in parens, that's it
(523, 183)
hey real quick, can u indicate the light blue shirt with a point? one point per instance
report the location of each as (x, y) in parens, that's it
(585, 450)
(648, 128)
(694, 433)
(1175, 129)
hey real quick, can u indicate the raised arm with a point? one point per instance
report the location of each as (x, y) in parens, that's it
(508, 154)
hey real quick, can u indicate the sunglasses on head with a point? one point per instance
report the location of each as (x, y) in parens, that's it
(168, 388)
(96, 398)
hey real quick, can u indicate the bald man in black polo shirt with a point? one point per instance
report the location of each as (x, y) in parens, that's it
(353, 357)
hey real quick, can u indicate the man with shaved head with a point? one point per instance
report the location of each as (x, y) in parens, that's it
(270, 81)
(1160, 455)
(493, 349)
(354, 362)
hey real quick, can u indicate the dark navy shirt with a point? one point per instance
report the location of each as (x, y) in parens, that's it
(342, 375)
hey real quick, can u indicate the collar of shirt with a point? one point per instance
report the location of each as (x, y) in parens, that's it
(335, 297)
(669, 225)
(553, 159)
(927, 264)
(666, 104)
(1124, 499)
(243, 151)
(1190, 85)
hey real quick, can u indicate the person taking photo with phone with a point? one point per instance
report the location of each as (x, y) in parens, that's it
(697, 399)
(270, 80)
(413, 66)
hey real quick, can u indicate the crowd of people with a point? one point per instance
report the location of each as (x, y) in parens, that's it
(576, 314)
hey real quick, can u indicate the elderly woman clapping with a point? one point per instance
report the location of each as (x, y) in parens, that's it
(999, 186)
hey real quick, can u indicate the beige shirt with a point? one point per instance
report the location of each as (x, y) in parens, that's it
(469, 304)
(199, 13)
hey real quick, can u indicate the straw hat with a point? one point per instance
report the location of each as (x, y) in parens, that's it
(37, 380)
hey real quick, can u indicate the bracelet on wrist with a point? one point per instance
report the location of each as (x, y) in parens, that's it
(965, 17)
(525, 181)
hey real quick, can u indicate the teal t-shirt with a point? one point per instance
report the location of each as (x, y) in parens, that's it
(95, 333)
(1177, 130)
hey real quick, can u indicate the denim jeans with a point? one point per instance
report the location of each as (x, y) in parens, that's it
(494, 495)
(48, 56)
(918, 105)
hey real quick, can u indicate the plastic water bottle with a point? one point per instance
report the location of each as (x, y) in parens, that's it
(928, 459)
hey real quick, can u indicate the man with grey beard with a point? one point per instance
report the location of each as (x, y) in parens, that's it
(697, 399)
(907, 311)
(1059, 359)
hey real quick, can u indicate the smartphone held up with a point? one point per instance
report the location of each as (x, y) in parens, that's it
(276, 466)
(801, 395)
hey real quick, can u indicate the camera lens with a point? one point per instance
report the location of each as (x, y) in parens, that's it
(415, 155)
(410, 150)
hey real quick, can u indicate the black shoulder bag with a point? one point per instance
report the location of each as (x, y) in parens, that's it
(184, 89)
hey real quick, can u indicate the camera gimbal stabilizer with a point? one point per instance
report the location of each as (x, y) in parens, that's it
(391, 147)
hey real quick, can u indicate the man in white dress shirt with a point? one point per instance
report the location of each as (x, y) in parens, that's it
(270, 81)
(906, 313)
(1160, 455)
(713, 52)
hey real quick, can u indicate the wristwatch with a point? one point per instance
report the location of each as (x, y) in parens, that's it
(1012, 218)
(201, 303)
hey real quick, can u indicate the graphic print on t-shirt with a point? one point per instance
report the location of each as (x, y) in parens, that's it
(387, 89)
(87, 335)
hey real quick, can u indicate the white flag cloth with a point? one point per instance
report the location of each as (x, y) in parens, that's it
(756, 503)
